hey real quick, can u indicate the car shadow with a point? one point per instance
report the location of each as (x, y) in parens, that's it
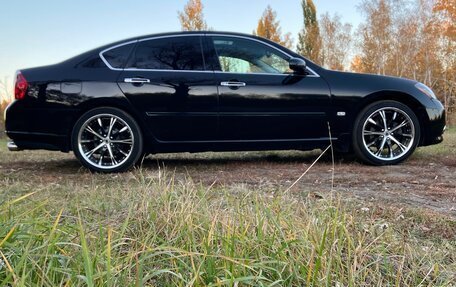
(242, 158)
(68, 165)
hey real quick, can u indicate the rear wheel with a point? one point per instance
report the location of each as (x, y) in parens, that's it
(386, 133)
(107, 140)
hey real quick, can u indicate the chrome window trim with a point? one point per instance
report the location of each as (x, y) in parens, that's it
(171, 36)
(113, 47)
(315, 74)
(312, 75)
(266, 74)
(164, 70)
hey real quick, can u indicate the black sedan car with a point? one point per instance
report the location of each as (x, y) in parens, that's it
(214, 91)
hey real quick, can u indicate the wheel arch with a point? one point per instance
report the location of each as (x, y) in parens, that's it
(119, 103)
(404, 98)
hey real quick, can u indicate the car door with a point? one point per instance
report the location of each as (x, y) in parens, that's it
(166, 80)
(261, 99)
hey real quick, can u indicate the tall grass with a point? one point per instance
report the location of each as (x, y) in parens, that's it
(160, 230)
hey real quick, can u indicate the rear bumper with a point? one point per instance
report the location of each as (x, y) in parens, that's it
(32, 128)
(33, 141)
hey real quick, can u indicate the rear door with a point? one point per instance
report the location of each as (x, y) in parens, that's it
(167, 81)
(261, 99)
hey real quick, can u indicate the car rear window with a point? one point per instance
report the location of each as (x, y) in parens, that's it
(171, 53)
(118, 57)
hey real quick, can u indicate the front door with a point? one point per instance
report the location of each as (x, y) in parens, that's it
(261, 99)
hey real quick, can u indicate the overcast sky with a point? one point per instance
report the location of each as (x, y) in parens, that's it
(48, 31)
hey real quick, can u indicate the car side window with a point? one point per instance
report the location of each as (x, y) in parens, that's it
(117, 57)
(171, 53)
(238, 55)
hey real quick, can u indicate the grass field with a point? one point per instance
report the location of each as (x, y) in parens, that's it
(172, 224)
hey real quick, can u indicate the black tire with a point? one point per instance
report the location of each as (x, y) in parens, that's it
(123, 142)
(408, 136)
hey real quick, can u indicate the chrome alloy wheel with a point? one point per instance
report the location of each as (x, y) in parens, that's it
(105, 141)
(388, 133)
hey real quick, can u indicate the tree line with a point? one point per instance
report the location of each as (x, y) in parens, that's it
(406, 38)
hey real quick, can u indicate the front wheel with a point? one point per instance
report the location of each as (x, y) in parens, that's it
(107, 140)
(386, 133)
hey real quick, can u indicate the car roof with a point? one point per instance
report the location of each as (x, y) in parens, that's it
(81, 57)
(205, 32)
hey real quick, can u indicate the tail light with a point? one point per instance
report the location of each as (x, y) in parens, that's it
(20, 86)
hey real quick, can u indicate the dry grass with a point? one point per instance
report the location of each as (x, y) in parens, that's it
(152, 230)
(3, 105)
(63, 226)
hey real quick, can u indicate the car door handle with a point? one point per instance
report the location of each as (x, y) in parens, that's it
(136, 80)
(233, 84)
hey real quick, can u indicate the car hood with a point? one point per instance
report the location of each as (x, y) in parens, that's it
(346, 82)
(372, 78)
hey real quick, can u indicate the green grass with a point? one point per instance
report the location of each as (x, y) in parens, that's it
(447, 148)
(156, 228)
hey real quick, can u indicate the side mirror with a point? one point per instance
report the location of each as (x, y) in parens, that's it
(298, 65)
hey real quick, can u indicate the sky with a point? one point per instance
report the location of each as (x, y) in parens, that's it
(36, 33)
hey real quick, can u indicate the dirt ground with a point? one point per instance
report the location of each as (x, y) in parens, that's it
(426, 181)
(419, 182)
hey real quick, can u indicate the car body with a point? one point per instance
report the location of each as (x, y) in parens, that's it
(215, 91)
